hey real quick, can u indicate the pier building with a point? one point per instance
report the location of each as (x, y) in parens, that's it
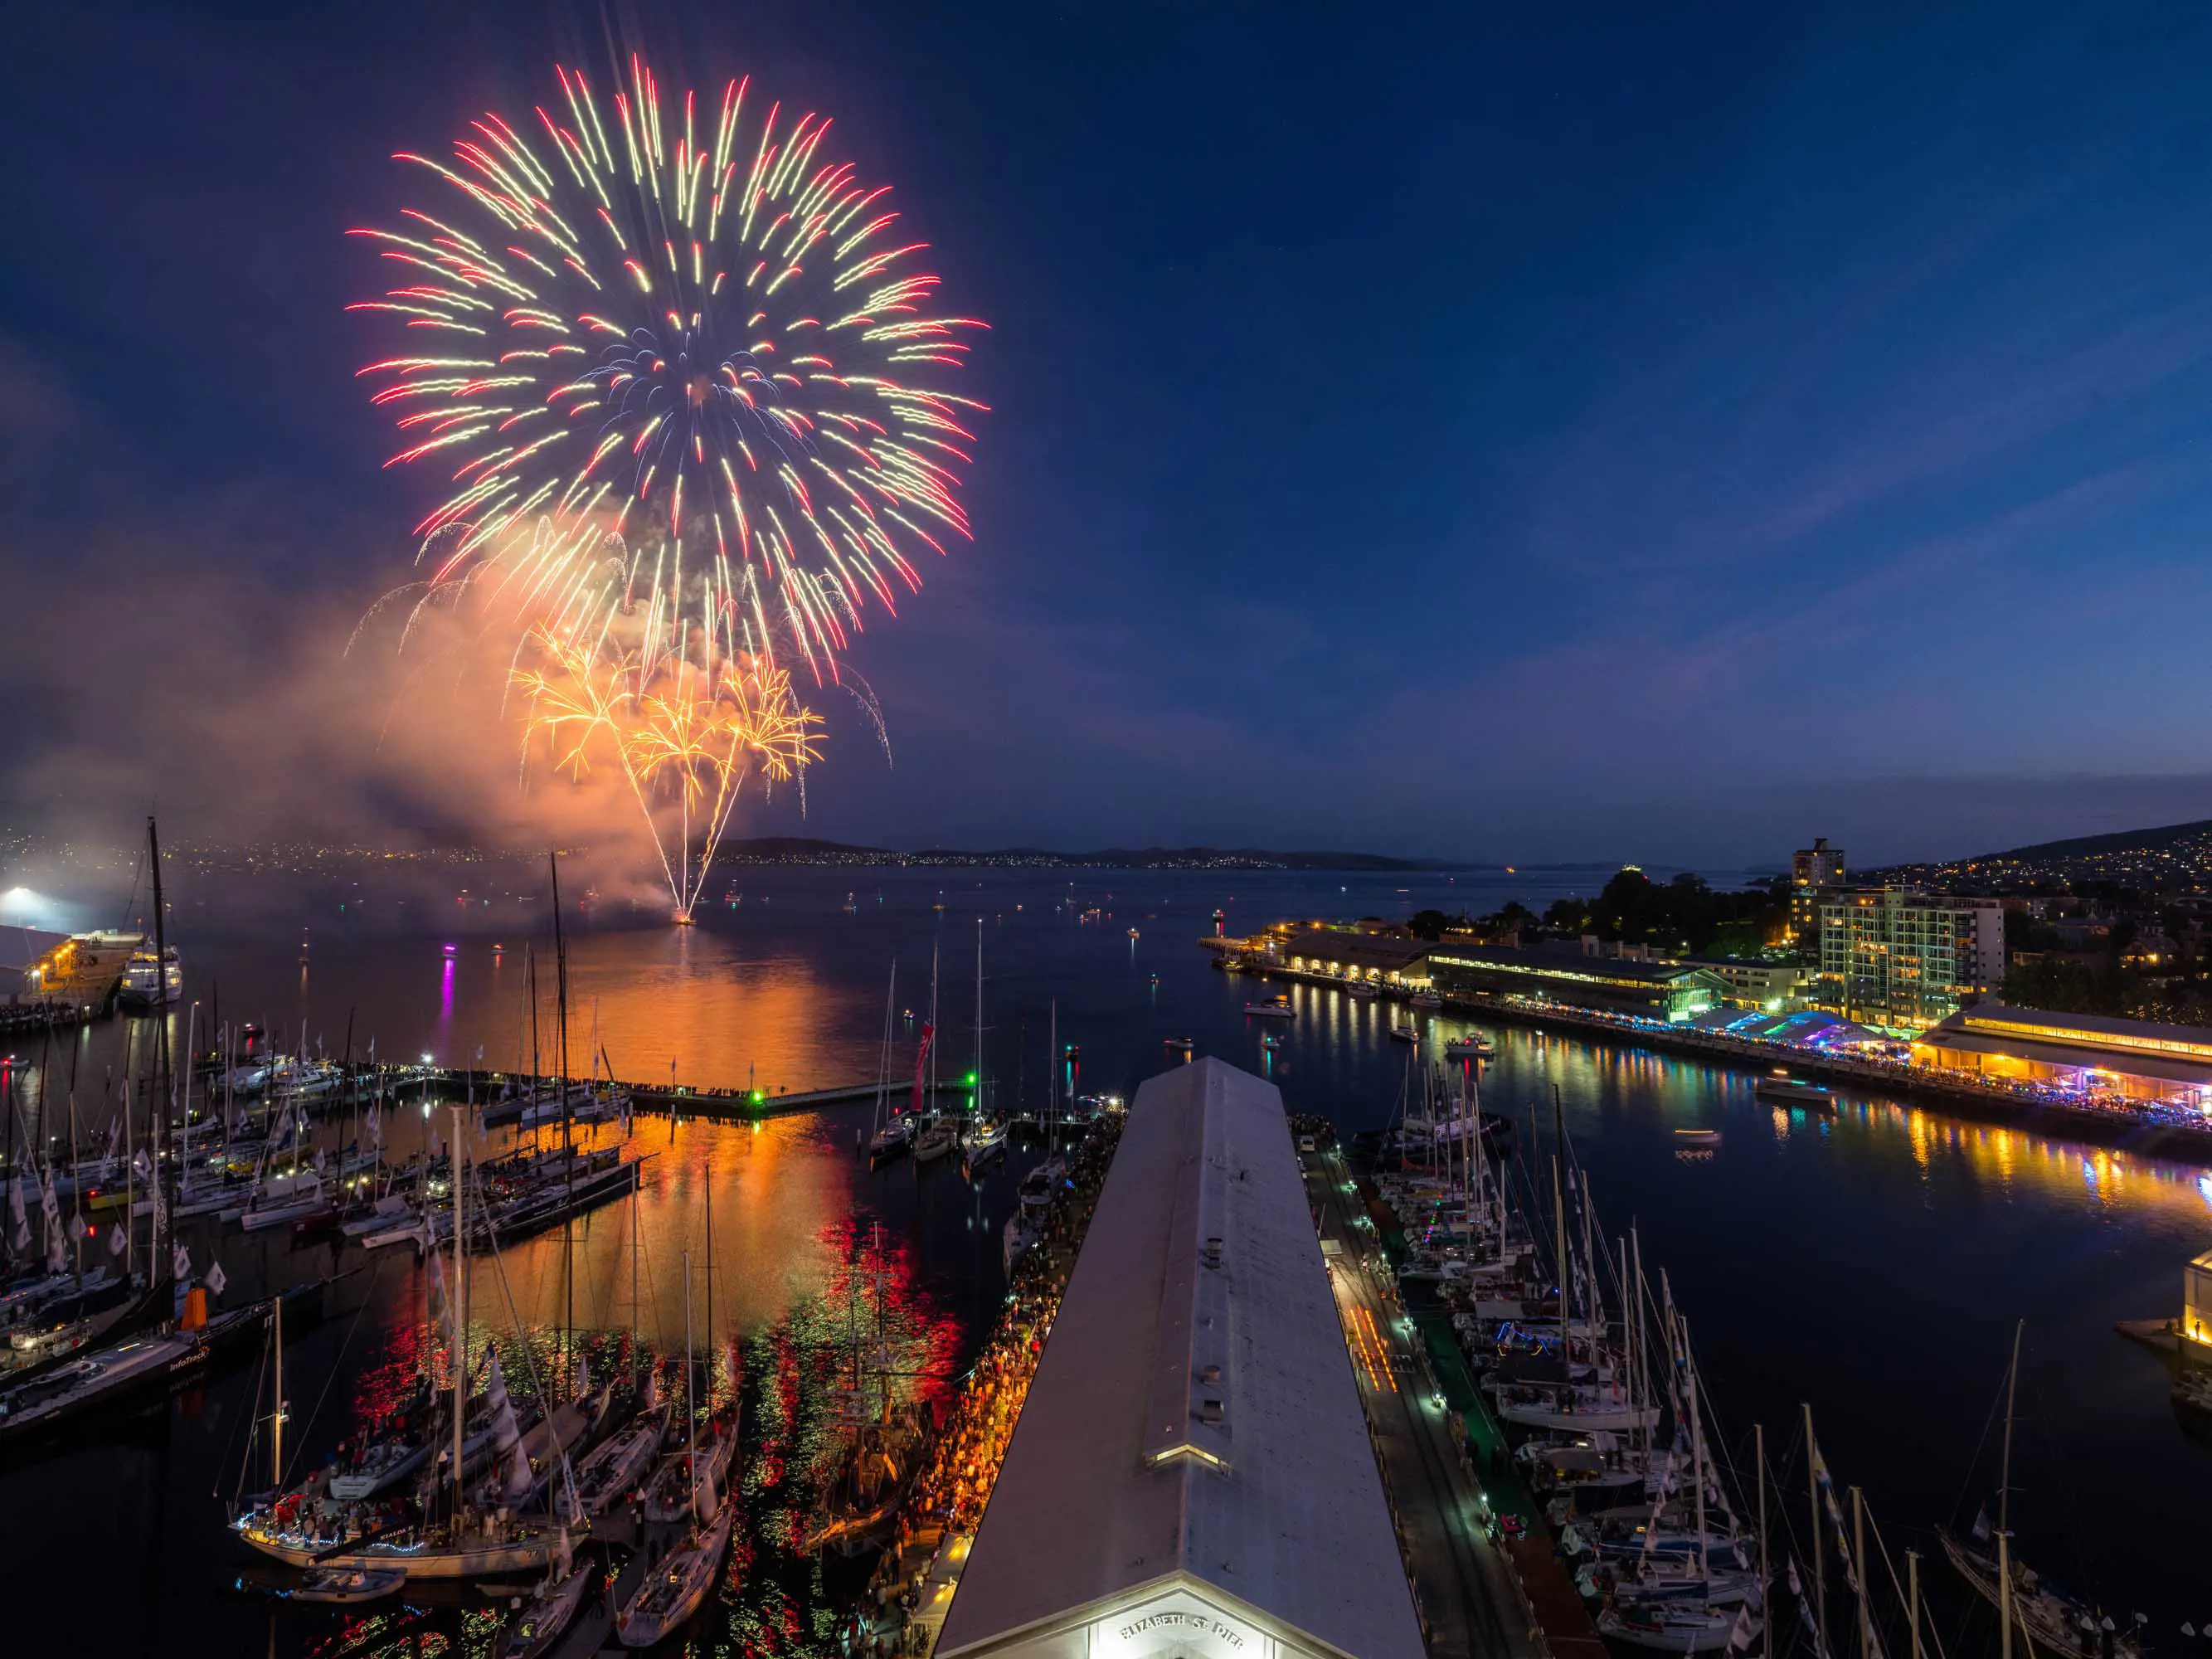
(1192, 1472)
(1669, 991)
(2081, 1053)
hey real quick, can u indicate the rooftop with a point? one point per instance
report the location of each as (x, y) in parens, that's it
(1192, 1428)
(1567, 961)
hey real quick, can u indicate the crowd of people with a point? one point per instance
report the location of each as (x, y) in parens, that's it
(963, 1463)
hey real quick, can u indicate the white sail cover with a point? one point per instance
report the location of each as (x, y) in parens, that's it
(19, 1235)
(506, 1435)
(56, 1243)
(441, 1306)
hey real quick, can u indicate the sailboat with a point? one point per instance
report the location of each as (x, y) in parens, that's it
(893, 1131)
(300, 1528)
(984, 1136)
(672, 1593)
(2042, 1615)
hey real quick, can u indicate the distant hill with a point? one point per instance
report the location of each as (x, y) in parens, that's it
(793, 850)
(2120, 841)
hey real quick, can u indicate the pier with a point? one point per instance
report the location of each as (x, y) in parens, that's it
(1471, 1596)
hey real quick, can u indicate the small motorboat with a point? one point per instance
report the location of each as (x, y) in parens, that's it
(1404, 1033)
(1697, 1137)
(672, 1593)
(344, 1585)
(1470, 1048)
(983, 1142)
(544, 1618)
(1278, 1008)
(1789, 1091)
(894, 1140)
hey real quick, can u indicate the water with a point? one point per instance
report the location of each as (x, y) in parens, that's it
(1871, 1266)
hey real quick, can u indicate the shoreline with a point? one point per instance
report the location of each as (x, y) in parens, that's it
(2096, 1125)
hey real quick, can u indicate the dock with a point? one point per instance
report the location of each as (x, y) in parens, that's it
(1465, 1586)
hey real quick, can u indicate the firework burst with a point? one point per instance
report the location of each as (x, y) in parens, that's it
(685, 743)
(688, 383)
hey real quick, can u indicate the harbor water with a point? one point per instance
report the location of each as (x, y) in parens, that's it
(1869, 1265)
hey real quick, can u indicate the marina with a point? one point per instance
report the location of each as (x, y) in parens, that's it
(949, 1227)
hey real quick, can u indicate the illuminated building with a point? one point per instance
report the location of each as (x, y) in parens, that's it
(1900, 961)
(1379, 959)
(75, 967)
(1671, 991)
(1774, 987)
(1191, 1473)
(2197, 1299)
(1814, 870)
(2086, 1054)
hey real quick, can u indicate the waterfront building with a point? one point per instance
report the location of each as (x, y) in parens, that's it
(75, 967)
(1671, 991)
(2081, 1053)
(1762, 983)
(1815, 871)
(1901, 960)
(1341, 953)
(1191, 1473)
(2197, 1300)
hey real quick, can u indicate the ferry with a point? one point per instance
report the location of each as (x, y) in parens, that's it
(149, 983)
(1789, 1091)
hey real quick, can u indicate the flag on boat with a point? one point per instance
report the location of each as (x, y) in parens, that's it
(216, 1279)
(180, 1264)
(375, 1125)
(1981, 1526)
(139, 1166)
(116, 1241)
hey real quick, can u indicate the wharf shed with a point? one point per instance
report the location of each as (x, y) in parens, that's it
(1191, 1473)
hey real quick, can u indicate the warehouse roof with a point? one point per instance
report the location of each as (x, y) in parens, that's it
(1193, 1419)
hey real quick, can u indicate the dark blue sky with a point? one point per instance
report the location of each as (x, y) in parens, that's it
(1529, 433)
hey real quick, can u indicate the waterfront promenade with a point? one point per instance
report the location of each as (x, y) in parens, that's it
(2144, 1131)
(1472, 1598)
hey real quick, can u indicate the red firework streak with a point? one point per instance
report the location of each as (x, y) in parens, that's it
(921, 1059)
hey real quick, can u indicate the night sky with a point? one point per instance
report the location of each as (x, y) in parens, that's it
(1526, 433)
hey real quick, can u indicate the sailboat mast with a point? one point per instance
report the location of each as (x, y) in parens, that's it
(1913, 1597)
(276, 1408)
(1697, 1453)
(458, 1349)
(1858, 1551)
(1766, 1576)
(690, 1407)
(976, 1104)
(2004, 1504)
(1559, 1256)
(561, 1025)
(1812, 1497)
(158, 1120)
(1052, 1080)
